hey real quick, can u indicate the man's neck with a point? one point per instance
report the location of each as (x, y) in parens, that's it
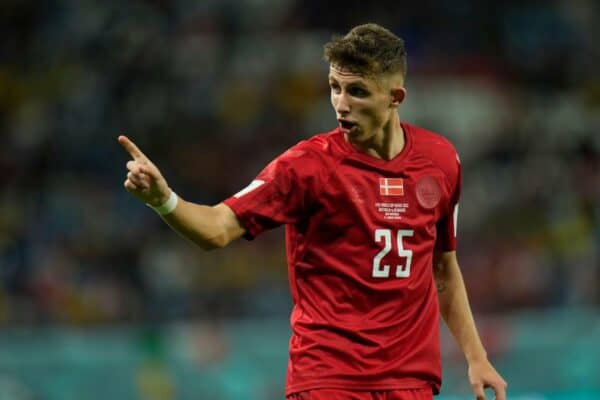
(387, 143)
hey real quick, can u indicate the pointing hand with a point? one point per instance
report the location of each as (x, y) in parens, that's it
(144, 179)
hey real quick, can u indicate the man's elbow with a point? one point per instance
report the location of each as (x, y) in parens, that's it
(217, 242)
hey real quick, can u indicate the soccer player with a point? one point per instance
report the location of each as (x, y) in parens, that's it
(370, 211)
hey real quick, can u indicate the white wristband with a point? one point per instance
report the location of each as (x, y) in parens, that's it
(168, 206)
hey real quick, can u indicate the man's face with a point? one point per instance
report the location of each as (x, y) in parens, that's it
(363, 105)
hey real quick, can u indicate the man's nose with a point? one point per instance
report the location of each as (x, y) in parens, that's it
(343, 105)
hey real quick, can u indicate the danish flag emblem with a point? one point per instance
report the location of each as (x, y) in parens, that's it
(391, 187)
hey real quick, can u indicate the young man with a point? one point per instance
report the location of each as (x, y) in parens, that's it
(370, 212)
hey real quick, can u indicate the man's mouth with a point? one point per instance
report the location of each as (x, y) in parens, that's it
(346, 125)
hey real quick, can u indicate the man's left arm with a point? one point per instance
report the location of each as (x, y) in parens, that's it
(456, 312)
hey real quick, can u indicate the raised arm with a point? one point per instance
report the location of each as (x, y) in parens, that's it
(456, 312)
(208, 226)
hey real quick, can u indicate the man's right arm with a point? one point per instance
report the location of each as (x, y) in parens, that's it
(209, 227)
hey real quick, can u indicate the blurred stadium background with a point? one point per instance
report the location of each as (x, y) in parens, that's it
(100, 300)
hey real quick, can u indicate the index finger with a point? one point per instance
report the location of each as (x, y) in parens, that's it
(131, 148)
(500, 392)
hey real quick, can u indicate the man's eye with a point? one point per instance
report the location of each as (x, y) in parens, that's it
(358, 92)
(335, 88)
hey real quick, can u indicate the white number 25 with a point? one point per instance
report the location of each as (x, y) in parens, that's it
(402, 271)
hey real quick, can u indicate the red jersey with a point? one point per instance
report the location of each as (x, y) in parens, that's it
(360, 236)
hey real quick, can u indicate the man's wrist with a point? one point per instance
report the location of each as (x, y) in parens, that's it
(167, 206)
(475, 358)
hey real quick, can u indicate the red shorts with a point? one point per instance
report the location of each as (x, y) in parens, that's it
(339, 394)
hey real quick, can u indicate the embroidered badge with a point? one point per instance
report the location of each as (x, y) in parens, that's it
(428, 191)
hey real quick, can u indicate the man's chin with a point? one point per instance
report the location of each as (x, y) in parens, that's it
(351, 132)
(357, 137)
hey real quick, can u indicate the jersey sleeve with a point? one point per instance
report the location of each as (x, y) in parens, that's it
(447, 225)
(282, 193)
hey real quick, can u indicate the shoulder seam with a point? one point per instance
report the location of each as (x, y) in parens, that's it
(330, 170)
(436, 163)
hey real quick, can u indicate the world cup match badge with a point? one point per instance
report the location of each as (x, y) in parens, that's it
(428, 191)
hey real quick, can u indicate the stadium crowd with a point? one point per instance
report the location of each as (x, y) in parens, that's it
(213, 90)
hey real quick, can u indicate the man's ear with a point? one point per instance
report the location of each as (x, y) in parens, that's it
(398, 96)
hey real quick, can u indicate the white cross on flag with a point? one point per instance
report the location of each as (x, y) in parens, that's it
(391, 187)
